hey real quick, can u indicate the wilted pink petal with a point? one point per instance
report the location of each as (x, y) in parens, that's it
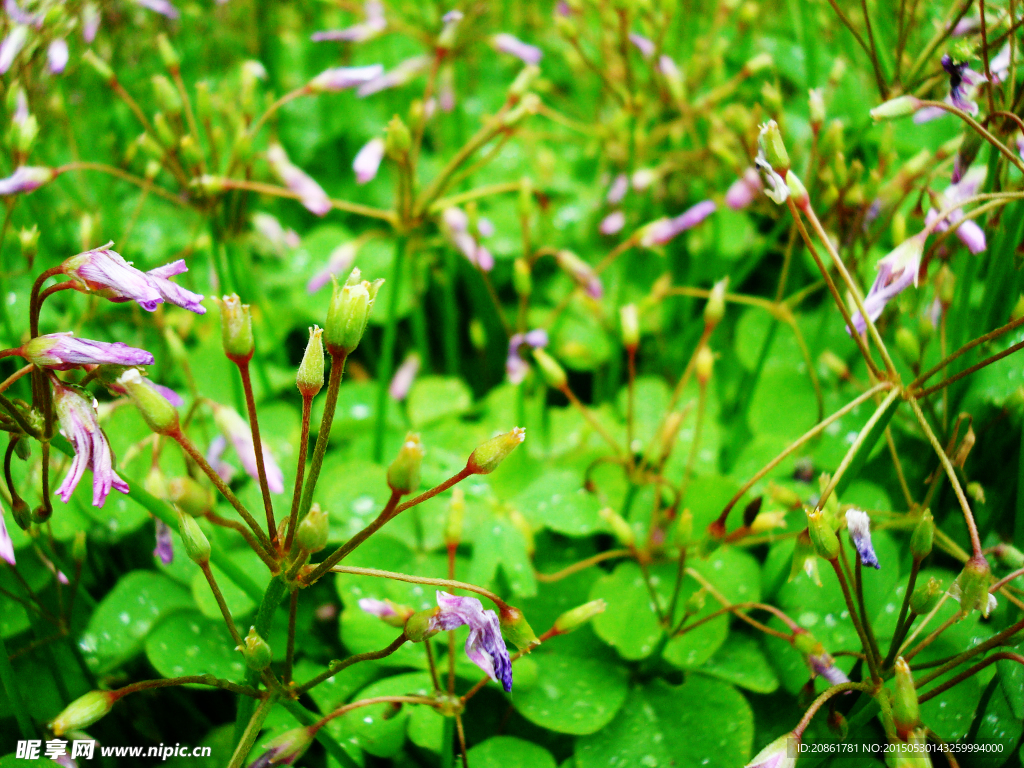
(400, 75)
(339, 261)
(663, 230)
(214, 456)
(90, 22)
(78, 423)
(612, 223)
(367, 160)
(103, 272)
(62, 351)
(528, 54)
(485, 645)
(515, 366)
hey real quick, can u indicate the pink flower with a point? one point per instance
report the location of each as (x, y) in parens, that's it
(173, 293)
(896, 272)
(663, 230)
(164, 543)
(969, 232)
(163, 7)
(373, 25)
(612, 223)
(582, 273)
(25, 179)
(402, 381)
(343, 78)
(367, 160)
(271, 236)
(400, 75)
(618, 189)
(311, 194)
(79, 424)
(6, 545)
(57, 55)
(528, 54)
(62, 351)
(11, 46)
(643, 44)
(237, 431)
(455, 224)
(90, 22)
(744, 190)
(485, 645)
(339, 261)
(515, 366)
(20, 16)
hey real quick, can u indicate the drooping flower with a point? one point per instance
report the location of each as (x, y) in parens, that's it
(369, 28)
(515, 366)
(342, 78)
(744, 190)
(173, 293)
(311, 194)
(400, 75)
(6, 545)
(163, 7)
(643, 44)
(969, 232)
(78, 423)
(25, 179)
(663, 230)
(781, 753)
(618, 189)
(237, 431)
(612, 223)
(962, 82)
(896, 272)
(62, 351)
(402, 381)
(512, 45)
(339, 262)
(164, 543)
(11, 46)
(57, 55)
(485, 645)
(367, 160)
(859, 525)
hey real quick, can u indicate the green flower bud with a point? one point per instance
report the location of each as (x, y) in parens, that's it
(486, 458)
(99, 66)
(553, 373)
(576, 617)
(756, 64)
(971, 587)
(349, 313)
(189, 496)
(83, 712)
(922, 537)
(29, 241)
(524, 81)
(925, 597)
(620, 528)
(404, 472)
(310, 377)
(163, 129)
(772, 147)
(908, 345)
(901, 106)
(817, 108)
(945, 285)
(714, 310)
(517, 629)
(168, 55)
(166, 95)
(704, 364)
(805, 560)
(695, 603)
(823, 537)
(397, 139)
(156, 411)
(420, 626)
(236, 328)
(525, 203)
(189, 148)
(197, 546)
(906, 712)
(630, 323)
(21, 513)
(311, 534)
(256, 651)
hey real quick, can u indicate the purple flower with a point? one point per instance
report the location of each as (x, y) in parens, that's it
(237, 431)
(173, 293)
(618, 189)
(164, 543)
(969, 232)
(6, 545)
(25, 179)
(859, 525)
(823, 664)
(367, 160)
(338, 262)
(643, 44)
(402, 381)
(668, 67)
(163, 7)
(373, 25)
(11, 46)
(515, 366)
(896, 272)
(661, 231)
(387, 611)
(79, 424)
(57, 55)
(104, 272)
(213, 456)
(962, 82)
(62, 351)
(90, 22)
(400, 75)
(485, 645)
(20, 16)
(612, 223)
(311, 194)
(744, 190)
(342, 78)
(169, 395)
(528, 54)
(455, 224)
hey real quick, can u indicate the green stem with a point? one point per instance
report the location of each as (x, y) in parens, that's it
(902, 625)
(264, 618)
(339, 664)
(261, 470)
(324, 433)
(250, 734)
(449, 583)
(341, 552)
(387, 357)
(300, 470)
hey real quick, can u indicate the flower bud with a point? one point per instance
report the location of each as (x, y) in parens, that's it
(256, 651)
(971, 587)
(781, 752)
(83, 712)
(922, 537)
(714, 310)
(310, 377)
(620, 528)
(197, 546)
(29, 241)
(945, 284)
(421, 626)
(99, 66)
(576, 617)
(553, 373)
(189, 496)
(404, 472)
(695, 603)
(817, 108)
(157, 412)
(901, 106)
(168, 137)
(525, 202)
(349, 313)
(925, 596)
(704, 364)
(772, 146)
(906, 712)
(630, 326)
(397, 139)
(797, 190)
(78, 547)
(823, 537)
(486, 458)
(517, 629)
(236, 328)
(524, 81)
(287, 748)
(170, 58)
(311, 534)
(166, 95)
